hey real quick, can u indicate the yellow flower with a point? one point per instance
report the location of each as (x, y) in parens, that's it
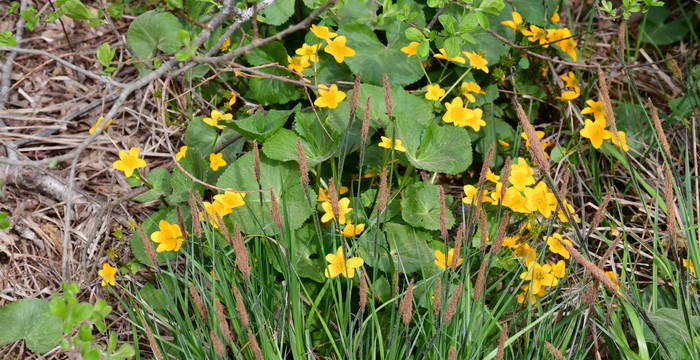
(467, 88)
(443, 262)
(443, 55)
(107, 274)
(511, 241)
(386, 143)
(232, 99)
(595, 108)
(527, 294)
(562, 216)
(535, 34)
(490, 176)
(310, 52)
(127, 163)
(515, 23)
(338, 265)
(555, 16)
(541, 199)
(521, 175)
(214, 210)
(515, 201)
(181, 154)
(555, 245)
(225, 45)
(337, 48)
(613, 278)
(569, 79)
(559, 269)
(230, 199)
(343, 209)
(434, 92)
(298, 63)
(539, 276)
(477, 61)
(503, 143)
(563, 39)
(97, 124)
(322, 32)
(410, 49)
(169, 237)
(216, 161)
(323, 193)
(539, 134)
(623, 140)
(595, 131)
(569, 95)
(461, 116)
(352, 230)
(469, 192)
(214, 118)
(329, 97)
(689, 265)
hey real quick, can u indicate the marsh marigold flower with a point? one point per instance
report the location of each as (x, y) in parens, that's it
(338, 49)
(443, 261)
(540, 199)
(214, 209)
(108, 274)
(297, 63)
(689, 265)
(181, 153)
(458, 115)
(613, 278)
(526, 294)
(623, 141)
(443, 55)
(535, 34)
(216, 161)
(595, 108)
(470, 88)
(539, 276)
(343, 209)
(562, 38)
(214, 118)
(410, 49)
(322, 32)
(555, 16)
(515, 201)
(595, 131)
(469, 192)
(168, 237)
(231, 199)
(225, 45)
(570, 209)
(434, 92)
(339, 265)
(352, 230)
(515, 23)
(397, 145)
(128, 162)
(329, 97)
(310, 52)
(477, 61)
(323, 193)
(559, 269)
(521, 174)
(97, 124)
(555, 245)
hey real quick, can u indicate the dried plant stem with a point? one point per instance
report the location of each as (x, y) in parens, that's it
(198, 303)
(406, 306)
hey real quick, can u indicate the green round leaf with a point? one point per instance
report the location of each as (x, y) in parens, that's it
(283, 178)
(399, 247)
(374, 59)
(154, 30)
(30, 320)
(444, 149)
(420, 207)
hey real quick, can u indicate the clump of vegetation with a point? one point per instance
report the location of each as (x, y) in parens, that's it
(404, 179)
